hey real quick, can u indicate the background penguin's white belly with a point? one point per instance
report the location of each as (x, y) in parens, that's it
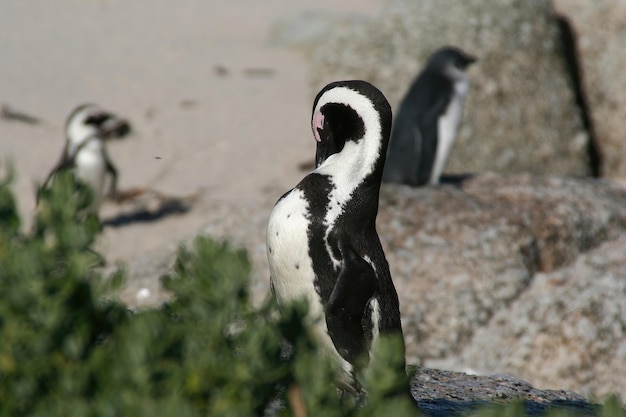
(90, 169)
(447, 128)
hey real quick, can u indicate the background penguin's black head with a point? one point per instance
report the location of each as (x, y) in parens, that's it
(98, 121)
(450, 55)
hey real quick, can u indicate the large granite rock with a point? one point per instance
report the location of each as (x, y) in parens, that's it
(599, 29)
(458, 255)
(520, 115)
(462, 257)
(568, 329)
(564, 216)
(454, 261)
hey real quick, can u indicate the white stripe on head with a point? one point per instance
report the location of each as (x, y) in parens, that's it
(356, 160)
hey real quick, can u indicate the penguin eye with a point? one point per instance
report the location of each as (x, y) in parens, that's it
(97, 119)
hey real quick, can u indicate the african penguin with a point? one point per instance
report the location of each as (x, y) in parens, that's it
(87, 129)
(322, 243)
(426, 125)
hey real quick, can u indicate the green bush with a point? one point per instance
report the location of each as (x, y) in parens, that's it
(67, 348)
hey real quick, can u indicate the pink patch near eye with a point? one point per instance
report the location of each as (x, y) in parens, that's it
(318, 123)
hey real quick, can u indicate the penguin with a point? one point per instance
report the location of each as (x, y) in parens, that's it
(87, 130)
(426, 125)
(322, 244)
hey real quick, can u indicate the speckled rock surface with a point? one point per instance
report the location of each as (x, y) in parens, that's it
(567, 330)
(459, 255)
(443, 394)
(565, 216)
(520, 114)
(600, 31)
(454, 261)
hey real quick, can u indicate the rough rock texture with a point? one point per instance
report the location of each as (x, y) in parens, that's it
(520, 115)
(454, 261)
(459, 255)
(566, 330)
(600, 32)
(566, 217)
(443, 394)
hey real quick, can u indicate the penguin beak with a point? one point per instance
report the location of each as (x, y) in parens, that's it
(326, 146)
(321, 151)
(115, 128)
(470, 59)
(331, 134)
(108, 125)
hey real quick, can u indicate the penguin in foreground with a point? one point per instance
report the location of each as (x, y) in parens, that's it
(87, 130)
(322, 243)
(426, 125)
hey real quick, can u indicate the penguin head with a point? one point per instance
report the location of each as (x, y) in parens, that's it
(89, 121)
(351, 122)
(451, 61)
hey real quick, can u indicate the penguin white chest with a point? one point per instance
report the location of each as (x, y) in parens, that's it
(447, 128)
(291, 267)
(90, 168)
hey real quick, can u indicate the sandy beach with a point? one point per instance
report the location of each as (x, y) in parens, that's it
(220, 112)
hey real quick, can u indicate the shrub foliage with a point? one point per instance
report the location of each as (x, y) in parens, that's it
(69, 349)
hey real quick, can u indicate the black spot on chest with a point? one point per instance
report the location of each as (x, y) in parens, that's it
(316, 189)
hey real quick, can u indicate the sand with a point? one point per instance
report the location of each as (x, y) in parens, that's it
(220, 112)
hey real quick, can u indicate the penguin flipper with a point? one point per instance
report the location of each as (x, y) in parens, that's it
(113, 173)
(355, 286)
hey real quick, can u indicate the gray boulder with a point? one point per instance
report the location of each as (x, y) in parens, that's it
(599, 29)
(565, 216)
(443, 394)
(454, 261)
(568, 329)
(460, 256)
(520, 115)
